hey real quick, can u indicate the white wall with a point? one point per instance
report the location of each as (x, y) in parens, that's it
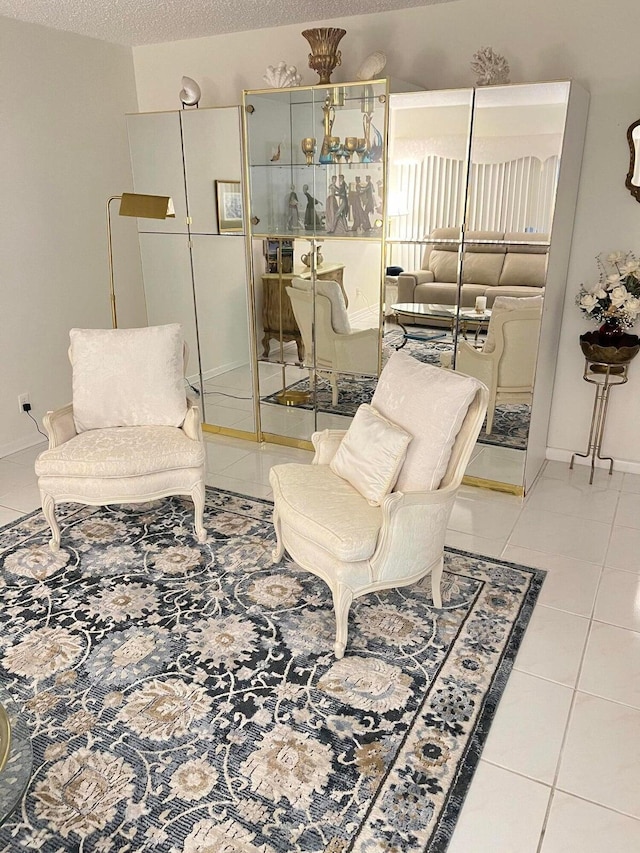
(63, 152)
(432, 46)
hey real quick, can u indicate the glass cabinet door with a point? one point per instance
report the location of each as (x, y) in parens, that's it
(316, 172)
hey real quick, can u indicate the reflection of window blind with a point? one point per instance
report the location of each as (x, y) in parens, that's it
(516, 195)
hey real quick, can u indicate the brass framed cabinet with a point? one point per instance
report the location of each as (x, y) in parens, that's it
(316, 171)
(193, 272)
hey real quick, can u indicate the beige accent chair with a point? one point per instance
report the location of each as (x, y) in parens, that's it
(338, 349)
(130, 435)
(507, 362)
(330, 529)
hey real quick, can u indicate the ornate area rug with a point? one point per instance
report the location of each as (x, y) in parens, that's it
(183, 698)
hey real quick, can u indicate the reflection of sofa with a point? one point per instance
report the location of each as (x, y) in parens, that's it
(489, 269)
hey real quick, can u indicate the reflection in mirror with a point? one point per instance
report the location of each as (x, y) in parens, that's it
(319, 343)
(506, 202)
(633, 177)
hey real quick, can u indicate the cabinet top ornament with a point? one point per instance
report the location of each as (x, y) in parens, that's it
(491, 67)
(324, 56)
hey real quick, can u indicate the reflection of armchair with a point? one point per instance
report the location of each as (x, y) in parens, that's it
(330, 529)
(337, 349)
(507, 362)
(130, 435)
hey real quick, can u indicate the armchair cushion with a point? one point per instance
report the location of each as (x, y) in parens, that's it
(121, 452)
(331, 289)
(322, 507)
(400, 395)
(128, 377)
(371, 454)
(504, 305)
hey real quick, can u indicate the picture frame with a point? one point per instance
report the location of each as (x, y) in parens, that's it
(229, 207)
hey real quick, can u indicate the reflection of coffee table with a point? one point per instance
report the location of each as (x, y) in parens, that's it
(16, 773)
(469, 319)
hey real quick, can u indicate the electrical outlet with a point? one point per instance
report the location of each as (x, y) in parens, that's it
(22, 399)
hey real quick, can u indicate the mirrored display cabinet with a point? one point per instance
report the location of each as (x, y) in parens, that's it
(482, 186)
(194, 266)
(319, 228)
(316, 170)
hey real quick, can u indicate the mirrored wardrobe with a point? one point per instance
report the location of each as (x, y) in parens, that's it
(194, 266)
(482, 186)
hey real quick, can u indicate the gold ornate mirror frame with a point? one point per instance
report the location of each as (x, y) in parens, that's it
(634, 148)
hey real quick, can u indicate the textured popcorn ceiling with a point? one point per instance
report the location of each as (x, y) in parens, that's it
(134, 22)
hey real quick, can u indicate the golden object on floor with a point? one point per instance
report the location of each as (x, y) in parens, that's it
(5, 737)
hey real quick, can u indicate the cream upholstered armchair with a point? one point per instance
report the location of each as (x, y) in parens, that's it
(371, 511)
(130, 435)
(507, 362)
(338, 348)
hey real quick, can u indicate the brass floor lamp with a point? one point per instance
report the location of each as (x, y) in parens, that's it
(138, 205)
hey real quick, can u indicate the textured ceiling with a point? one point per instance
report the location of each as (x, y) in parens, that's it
(134, 22)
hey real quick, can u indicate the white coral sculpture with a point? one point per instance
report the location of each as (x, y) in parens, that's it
(491, 67)
(282, 76)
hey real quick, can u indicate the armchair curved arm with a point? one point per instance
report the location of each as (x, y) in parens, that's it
(357, 352)
(326, 444)
(59, 425)
(413, 532)
(475, 363)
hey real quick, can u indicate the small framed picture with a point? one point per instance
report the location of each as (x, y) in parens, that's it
(229, 203)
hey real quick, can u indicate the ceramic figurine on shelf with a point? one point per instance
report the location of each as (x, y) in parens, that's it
(358, 219)
(311, 219)
(331, 208)
(342, 214)
(293, 211)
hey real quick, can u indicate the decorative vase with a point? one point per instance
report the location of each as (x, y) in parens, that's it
(324, 54)
(613, 351)
(610, 333)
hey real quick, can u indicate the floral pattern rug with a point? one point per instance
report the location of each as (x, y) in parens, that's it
(184, 698)
(510, 422)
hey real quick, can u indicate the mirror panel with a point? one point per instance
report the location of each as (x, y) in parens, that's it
(197, 276)
(156, 162)
(490, 159)
(168, 290)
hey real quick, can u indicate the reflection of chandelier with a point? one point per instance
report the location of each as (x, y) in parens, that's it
(484, 149)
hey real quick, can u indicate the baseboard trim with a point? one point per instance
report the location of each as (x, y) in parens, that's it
(12, 447)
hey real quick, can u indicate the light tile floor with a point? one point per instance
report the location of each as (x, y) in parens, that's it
(560, 772)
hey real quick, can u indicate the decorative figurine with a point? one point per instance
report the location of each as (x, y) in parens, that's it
(282, 76)
(331, 208)
(491, 67)
(190, 93)
(371, 65)
(293, 213)
(311, 218)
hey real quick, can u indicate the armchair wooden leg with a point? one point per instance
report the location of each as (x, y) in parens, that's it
(49, 510)
(342, 598)
(198, 494)
(278, 551)
(436, 579)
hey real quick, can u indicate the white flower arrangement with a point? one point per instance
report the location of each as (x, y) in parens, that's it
(616, 296)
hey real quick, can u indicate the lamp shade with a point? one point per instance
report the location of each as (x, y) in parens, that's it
(146, 206)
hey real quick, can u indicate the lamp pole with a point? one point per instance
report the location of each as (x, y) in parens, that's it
(112, 290)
